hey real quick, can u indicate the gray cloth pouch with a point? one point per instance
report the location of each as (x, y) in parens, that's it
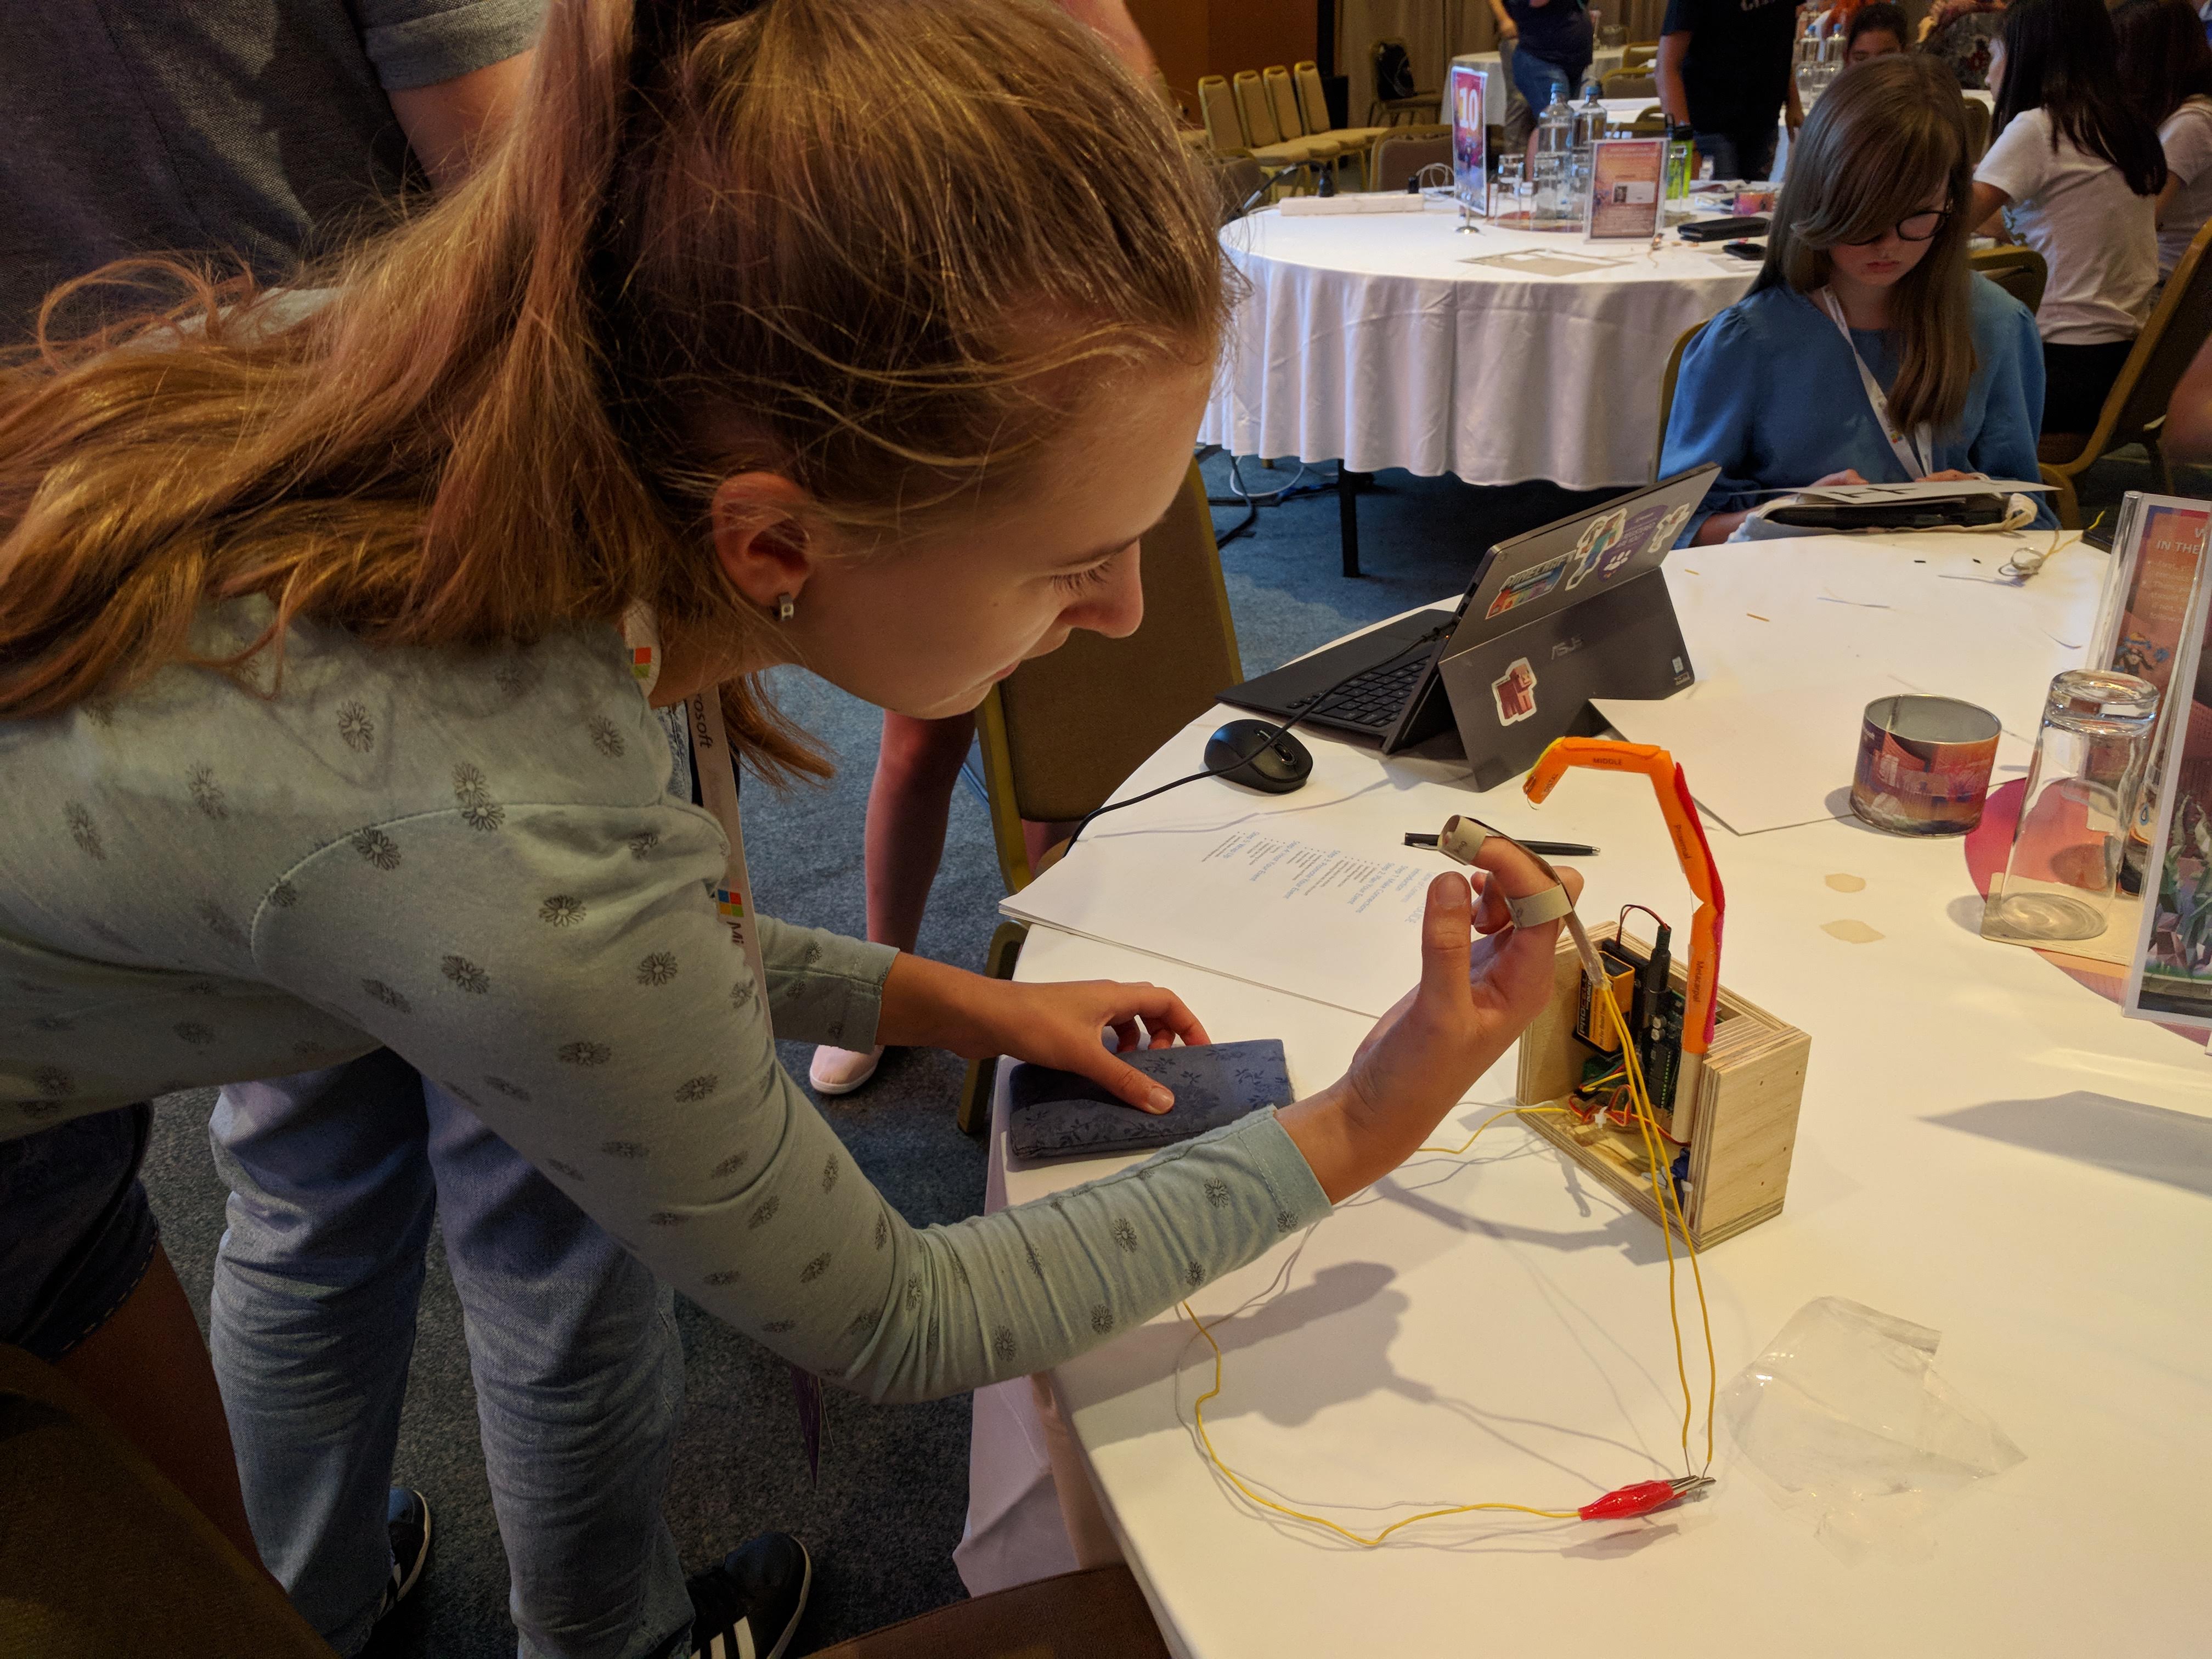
(1055, 1114)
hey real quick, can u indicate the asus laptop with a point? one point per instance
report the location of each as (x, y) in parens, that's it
(1580, 600)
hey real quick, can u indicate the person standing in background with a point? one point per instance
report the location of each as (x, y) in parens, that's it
(254, 131)
(1724, 68)
(1551, 45)
(254, 134)
(2075, 170)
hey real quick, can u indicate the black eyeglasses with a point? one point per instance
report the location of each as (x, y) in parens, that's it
(1913, 228)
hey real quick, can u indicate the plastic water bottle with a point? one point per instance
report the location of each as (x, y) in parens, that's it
(1681, 164)
(1589, 131)
(1806, 68)
(1555, 147)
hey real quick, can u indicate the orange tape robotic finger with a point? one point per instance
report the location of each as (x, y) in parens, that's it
(1696, 858)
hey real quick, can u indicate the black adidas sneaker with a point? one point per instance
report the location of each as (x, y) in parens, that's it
(749, 1606)
(407, 1522)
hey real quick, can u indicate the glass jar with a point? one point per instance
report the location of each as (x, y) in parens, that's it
(2058, 883)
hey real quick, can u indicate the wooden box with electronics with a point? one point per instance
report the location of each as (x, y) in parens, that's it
(1728, 1132)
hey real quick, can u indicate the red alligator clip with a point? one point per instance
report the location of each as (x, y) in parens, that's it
(1642, 1497)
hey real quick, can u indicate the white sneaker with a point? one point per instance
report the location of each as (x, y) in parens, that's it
(841, 1071)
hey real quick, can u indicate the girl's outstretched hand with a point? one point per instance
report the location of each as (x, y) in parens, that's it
(1482, 980)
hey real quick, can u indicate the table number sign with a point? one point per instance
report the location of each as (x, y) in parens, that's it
(1470, 171)
(1627, 180)
(2158, 550)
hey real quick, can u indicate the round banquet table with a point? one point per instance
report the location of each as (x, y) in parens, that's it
(1370, 339)
(1985, 1148)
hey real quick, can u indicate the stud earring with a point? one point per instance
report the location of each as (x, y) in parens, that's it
(784, 608)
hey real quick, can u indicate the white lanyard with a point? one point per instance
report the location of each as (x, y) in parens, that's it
(1916, 449)
(712, 765)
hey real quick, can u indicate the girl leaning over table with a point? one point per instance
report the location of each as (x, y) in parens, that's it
(335, 649)
(1866, 350)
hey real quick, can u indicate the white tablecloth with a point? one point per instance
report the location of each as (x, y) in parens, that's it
(1986, 1147)
(1371, 339)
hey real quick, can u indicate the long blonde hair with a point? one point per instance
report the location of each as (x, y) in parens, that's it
(1888, 133)
(883, 249)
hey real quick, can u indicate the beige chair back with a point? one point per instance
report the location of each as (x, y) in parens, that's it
(1312, 100)
(2134, 410)
(1283, 103)
(2020, 272)
(1252, 108)
(1651, 123)
(1667, 394)
(1217, 108)
(1630, 83)
(1643, 57)
(1061, 732)
(1977, 129)
(1400, 159)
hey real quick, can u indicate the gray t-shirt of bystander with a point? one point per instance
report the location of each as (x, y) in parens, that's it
(256, 130)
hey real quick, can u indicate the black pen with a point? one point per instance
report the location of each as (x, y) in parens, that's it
(1562, 849)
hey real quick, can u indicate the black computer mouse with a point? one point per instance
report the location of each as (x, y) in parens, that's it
(1276, 768)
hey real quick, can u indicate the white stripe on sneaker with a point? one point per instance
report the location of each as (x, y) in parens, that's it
(745, 1638)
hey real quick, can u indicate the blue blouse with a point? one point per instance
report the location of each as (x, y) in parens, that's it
(1769, 392)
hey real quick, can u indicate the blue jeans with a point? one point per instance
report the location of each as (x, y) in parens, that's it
(1746, 156)
(1533, 77)
(76, 1233)
(334, 1178)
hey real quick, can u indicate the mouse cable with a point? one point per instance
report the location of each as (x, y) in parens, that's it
(1641, 1497)
(1319, 701)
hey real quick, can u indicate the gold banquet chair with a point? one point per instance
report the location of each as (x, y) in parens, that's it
(1313, 106)
(1667, 391)
(1977, 129)
(2020, 272)
(1629, 83)
(1397, 160)
(1061, 733)
(1282, 98)
(1397, 90)
(1257, 114)
(1224, 129)
(2134, 410)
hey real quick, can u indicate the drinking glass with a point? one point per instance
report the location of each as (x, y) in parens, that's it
(1508, 184)
(2074, 817)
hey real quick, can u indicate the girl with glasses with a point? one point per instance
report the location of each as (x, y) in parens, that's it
(1866, 351)
(2074, 172)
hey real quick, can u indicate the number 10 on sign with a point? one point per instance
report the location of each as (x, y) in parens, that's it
(1470, 176)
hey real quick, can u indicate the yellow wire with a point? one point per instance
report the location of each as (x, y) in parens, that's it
(1670, 1208)
(1511, 1111)
(1663, 1198)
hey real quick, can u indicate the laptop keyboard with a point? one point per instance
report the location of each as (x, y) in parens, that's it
(1374, 700)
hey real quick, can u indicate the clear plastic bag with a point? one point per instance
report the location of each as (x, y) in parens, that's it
(1846, 1417)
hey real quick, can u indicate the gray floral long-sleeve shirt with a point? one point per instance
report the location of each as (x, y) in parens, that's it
(474, 859)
